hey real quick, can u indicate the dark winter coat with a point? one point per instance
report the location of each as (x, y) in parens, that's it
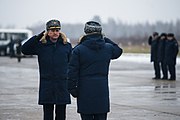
(53, 61)
(161, 50)
(171, 51)
(88, 73)
(154, 47)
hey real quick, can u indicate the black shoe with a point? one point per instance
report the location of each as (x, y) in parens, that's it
(172, 79)
(164, 78)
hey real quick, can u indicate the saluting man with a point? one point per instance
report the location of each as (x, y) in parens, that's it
(53, 53)
(153, 42)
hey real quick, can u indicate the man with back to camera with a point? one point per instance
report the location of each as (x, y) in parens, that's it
(53, 53)
(88, 72)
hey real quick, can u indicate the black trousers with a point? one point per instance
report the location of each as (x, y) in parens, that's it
(102, 116)
(164, 70)
(172, 71)
(157, 69)
(60, 112)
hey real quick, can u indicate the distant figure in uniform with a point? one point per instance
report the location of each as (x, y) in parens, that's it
(18, 50)
(88, 72)
(161, 55)
(153, 42)
(53, 53)
(11, 48)
(171, 51)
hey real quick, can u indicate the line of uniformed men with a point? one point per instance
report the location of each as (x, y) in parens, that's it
(164, 50)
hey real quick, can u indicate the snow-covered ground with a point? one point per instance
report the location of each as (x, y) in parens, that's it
(140, 58)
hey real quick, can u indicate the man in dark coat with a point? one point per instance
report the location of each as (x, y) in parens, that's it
(11, 48)
(18, 50)
(153, 42)
(161, 54)
(171, 51)
(53, 53)
(88, 72)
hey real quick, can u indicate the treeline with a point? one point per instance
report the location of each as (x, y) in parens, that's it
(121, 33)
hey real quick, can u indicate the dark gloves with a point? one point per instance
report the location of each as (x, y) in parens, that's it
(150, 40)
(39, 36)
(73, 92)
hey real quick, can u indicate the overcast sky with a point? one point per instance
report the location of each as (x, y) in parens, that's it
(23, 13)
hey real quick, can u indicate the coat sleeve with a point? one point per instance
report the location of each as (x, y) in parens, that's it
(176, 48)
(73, 72)
(30, 47)
(150, 40)
(70, 50)
(117, 51)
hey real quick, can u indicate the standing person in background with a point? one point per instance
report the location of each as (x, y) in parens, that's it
(53, 53)
(171, 51)
(161, 55)
(153, 42)
(11, 48)
(88, 72)
(18, 50)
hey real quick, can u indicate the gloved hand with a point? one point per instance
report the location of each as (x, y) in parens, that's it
(150, 40)
(73, 92)
(39, 36)
(107, 40)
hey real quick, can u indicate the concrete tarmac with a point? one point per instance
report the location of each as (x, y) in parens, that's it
(133, 94)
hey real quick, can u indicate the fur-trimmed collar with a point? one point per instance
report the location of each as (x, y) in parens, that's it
(62, 35)
(82, 37)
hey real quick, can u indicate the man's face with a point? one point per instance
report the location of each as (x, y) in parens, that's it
(155, 36)
(169, 38)
(163, 37)
(53, 34)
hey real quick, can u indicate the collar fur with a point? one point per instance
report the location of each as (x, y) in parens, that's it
(62, 35)
(82, 37)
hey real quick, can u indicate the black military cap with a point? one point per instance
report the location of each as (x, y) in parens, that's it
(53, 24)
(163, 34)
(170, 35)
(155, 33)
